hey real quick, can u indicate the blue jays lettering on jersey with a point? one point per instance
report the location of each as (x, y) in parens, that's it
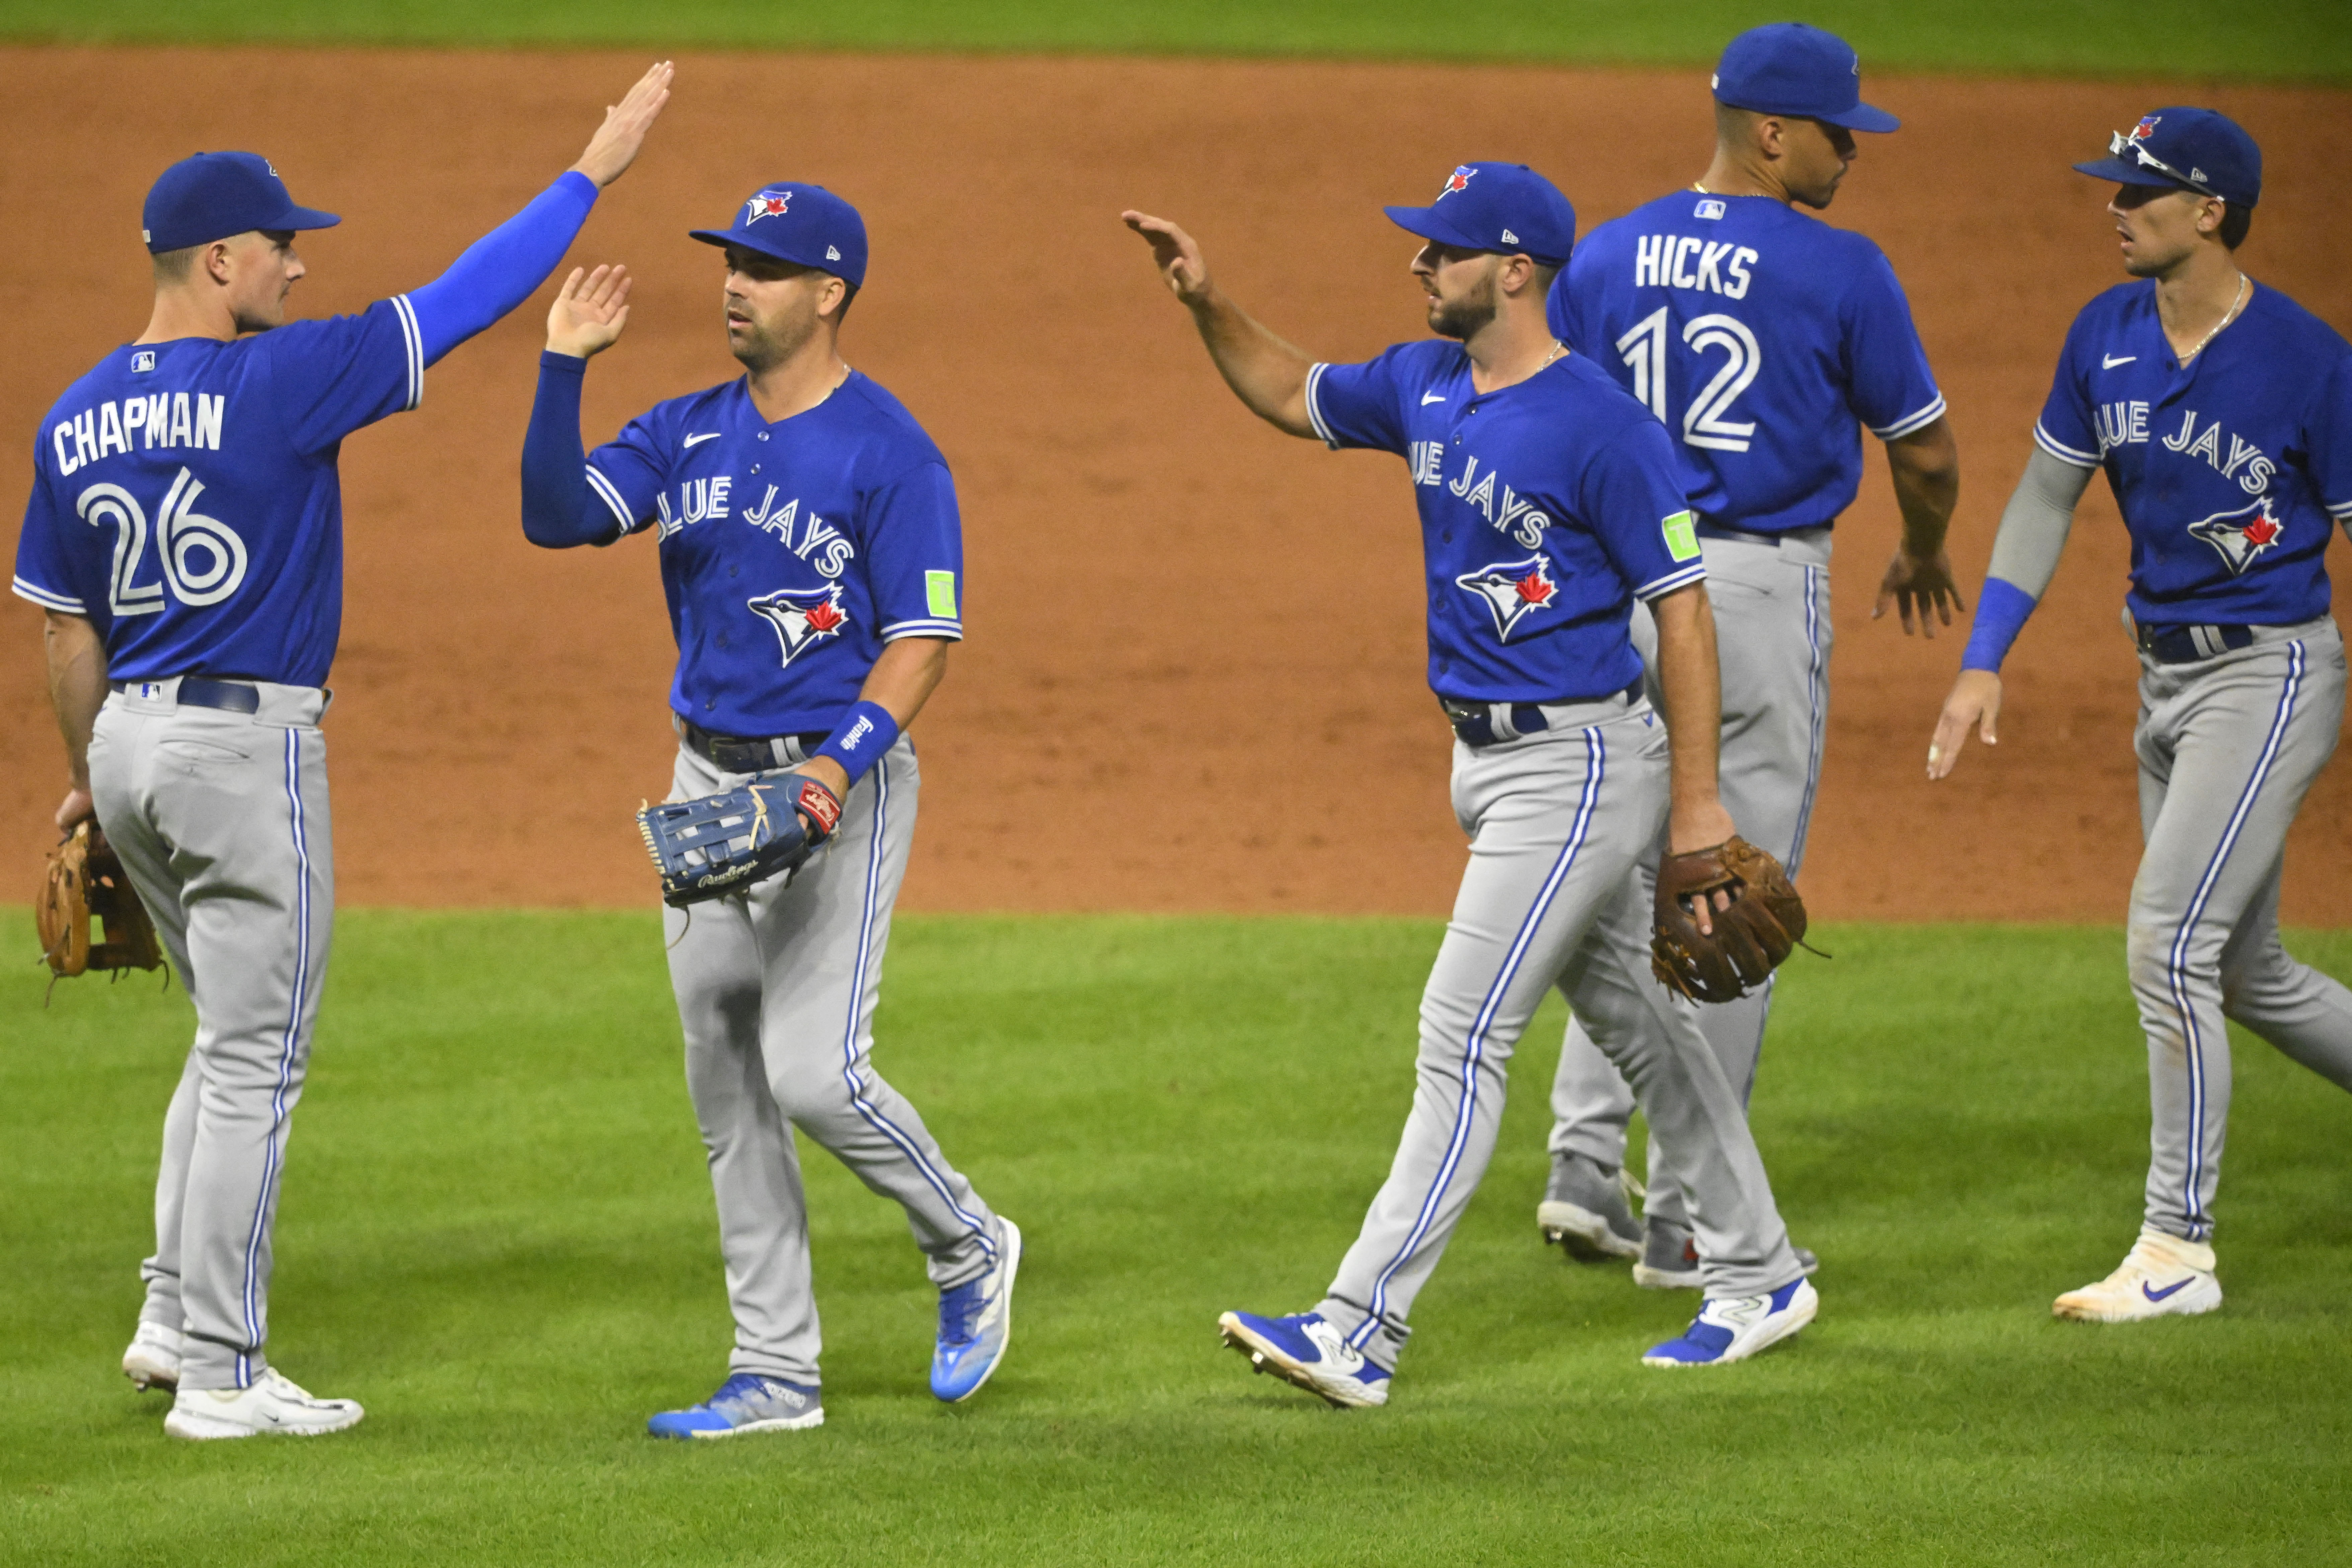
(1547, 508)
(2228, 472)
(790, 552)
(1762, 337)
(185, 497)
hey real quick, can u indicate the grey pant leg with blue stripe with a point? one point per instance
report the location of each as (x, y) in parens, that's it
(776, 991)
(1772, 624)
(2228, 747)
(220, 820)
(1558, 821)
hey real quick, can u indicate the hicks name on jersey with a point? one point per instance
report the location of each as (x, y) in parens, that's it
(2126, 424)
(1682, 261)
(159, 419)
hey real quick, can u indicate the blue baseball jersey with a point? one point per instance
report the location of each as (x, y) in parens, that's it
(185, 497)
(2228, 472)
(1547, 508)
(1764, 339)
(790, 552)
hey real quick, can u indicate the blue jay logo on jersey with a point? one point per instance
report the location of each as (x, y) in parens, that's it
(1511, 591)
(2242, 535)
(802, 616)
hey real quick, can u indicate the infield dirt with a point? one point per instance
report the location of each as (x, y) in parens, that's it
(1194, 678)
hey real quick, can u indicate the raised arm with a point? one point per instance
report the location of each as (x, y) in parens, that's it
(1926, 467)
(2033, 529)
(502, 269)
(1267, 375)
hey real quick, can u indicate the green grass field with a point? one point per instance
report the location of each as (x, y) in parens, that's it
(496, 1233)
(2302, 39)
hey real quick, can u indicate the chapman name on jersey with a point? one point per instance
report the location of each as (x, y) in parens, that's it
(1763, 338)
(2231, 471)
(163, 419)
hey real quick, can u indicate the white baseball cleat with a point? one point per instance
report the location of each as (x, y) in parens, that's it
(152, 1360)
(2161, 1275)
(274, 1406)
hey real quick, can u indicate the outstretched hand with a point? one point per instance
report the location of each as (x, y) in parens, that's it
(1975, 700)
(1923, 582)
(614, 146)
(589, 312)
(1175, 253)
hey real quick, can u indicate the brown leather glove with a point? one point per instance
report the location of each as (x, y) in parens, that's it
(85, 880)
(1764, 921)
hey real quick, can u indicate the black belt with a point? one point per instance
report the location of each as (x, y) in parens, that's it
(1737, 535)
(1474, 722)
(201, 691)
(2188, 645)
(746, 754)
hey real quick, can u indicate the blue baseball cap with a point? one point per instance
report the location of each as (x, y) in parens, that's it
(804, 224)
(1787, 68)
(2188, 149)
(215, 195)
(1508, 208)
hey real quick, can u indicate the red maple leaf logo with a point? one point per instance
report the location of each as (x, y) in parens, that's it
(1534, 588)
(824, 618)
(2262, 531)
(1457, 181)
(768, 206)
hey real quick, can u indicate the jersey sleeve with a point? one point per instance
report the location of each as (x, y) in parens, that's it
(627, 472)
(1357, 405)
(1889, 386)
(2065, 430)
(1632, 496)
(49, 572)
(330, 378)
(2327, 436)
(914, 543)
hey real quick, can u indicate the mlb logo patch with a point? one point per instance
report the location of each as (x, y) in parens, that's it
(1709, 208)
(144, 360)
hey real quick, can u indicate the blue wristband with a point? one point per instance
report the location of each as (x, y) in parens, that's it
(2001, 610)
(857, 743)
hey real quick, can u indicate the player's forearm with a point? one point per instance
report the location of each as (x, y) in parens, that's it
(904, 677)
(504, 268)
(1267, 375)
(560, 509)
(1690, 682)
(77, 661)
(1926, 467)
(2033, 531)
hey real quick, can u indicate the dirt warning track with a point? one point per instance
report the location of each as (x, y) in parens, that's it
(1194, 675)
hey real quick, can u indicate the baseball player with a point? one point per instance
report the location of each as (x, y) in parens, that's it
(1550, 503)
(813, 558)
(2221, 412)
(186, 536)
(1764, 340)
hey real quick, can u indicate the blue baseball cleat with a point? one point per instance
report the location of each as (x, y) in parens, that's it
(744, 1403)
(976, 1323)
(1304, 1350)
(1735, 1327)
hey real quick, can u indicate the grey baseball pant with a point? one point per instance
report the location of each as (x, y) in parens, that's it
(2228, 747)
(1558, 820)
(776, 990)
(221, 821)
(1772, 622)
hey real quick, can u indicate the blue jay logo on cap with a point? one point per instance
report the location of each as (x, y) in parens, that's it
(1457, 181)
(767, 204)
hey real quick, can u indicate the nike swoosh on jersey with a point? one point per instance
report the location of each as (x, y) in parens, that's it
(706, 435)
(2109, 362)
(2171, 1289)
(1429, 398)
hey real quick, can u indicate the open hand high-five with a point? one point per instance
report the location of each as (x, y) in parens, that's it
(614, 146)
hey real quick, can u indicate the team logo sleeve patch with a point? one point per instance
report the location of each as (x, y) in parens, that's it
(939, 594)
(1681, 531)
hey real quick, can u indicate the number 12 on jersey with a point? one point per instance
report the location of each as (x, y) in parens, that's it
(1704, 421)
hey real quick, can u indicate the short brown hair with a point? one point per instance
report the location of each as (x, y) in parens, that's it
(174, 266)
(2235, 221)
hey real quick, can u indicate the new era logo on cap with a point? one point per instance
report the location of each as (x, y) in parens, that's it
(1510, 239)
(832, 253)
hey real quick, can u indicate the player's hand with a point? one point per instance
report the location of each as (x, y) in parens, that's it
(1701, 827)
(589, 312)
(1176, 255)
(1975, 700)
(1925, 582)
(77, 808)
(614, 146)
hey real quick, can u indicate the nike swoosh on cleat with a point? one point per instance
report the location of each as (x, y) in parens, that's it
(2109, 362)
(706, 436)
(1429, 398)
(2173, 1289)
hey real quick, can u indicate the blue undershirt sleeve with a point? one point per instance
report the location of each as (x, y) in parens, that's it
(559, 509)
(500, 270)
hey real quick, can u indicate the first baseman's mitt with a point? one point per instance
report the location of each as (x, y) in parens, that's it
(720, 844)
(1764, 921)
(85, 880)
